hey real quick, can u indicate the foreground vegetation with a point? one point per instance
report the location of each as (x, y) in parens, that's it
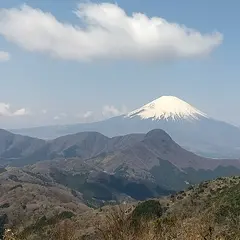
(209, 211)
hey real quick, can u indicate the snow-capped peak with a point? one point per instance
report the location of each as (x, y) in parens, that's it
(168, 108)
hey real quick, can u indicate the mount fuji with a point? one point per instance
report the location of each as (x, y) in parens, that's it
(188, 126)
(167, 108)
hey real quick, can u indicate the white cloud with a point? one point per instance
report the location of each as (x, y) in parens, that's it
(111, 111)
(4, 56)
(60, 116)
(5, 111)
(86, 117)
(88, 114)
(105, 31)
(21, 112)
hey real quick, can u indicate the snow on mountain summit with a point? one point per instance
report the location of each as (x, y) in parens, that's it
(167, 108)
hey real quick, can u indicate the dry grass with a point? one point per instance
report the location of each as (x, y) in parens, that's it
(210, 211)
(64, 231)
(118, 225)
(198, 215)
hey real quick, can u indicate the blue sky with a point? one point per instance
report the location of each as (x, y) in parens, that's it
(52, 86)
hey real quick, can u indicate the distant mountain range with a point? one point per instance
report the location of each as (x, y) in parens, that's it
(48, 181)
(187, 125)
(134, 166)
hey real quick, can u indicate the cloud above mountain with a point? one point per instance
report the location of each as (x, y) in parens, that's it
(105, 31)
(60, 116)
(4, 56)
(107, 111)
(21, 112)
(112, 111)
(87, 114)
(6, 111)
